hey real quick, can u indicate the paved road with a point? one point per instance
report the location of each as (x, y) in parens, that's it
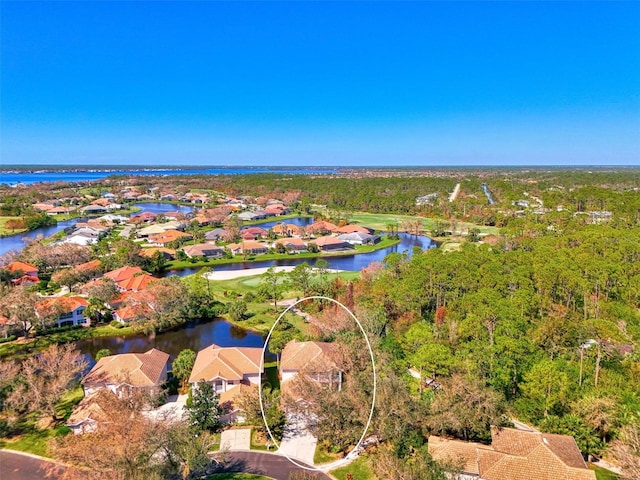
(267, 464)
(15, 466)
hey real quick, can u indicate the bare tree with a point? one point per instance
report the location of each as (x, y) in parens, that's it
(626, 450)
(44, 378)
(128, 445)
(18, 305)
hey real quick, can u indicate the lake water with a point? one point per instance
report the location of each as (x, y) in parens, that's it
(13, 177)
(194, 336)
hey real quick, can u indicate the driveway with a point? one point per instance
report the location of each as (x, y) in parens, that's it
(297, 442)
(236, 439)
(172, 410)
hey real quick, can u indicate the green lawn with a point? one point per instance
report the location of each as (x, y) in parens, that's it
(34, 441)
(379, 221)
(603, 473)
(6, 231)
(359, 468)
(321, 455)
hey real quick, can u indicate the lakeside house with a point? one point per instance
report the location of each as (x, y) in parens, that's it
(207, 250)
(66, 311)
(318, 361)
(231, 371)
(128, 370)
(249, 247)
(514, 455)
(292, 245)
(130, 278)
(331, 244)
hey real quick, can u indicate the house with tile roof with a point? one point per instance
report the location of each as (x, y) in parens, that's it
(67, 311)
(208, 250)
(128, 370)
(321, 227)
(168, 236)
(317, 360)
(23, 267)
(331, 244)
(250, 247)
(130, 278)
(292, 245)
(87, 414)
(231, 371)
(514, 455)
(354, 228)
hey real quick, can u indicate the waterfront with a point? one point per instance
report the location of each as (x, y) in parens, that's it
(194, 336)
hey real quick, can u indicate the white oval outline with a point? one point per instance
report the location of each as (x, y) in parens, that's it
(373, 367)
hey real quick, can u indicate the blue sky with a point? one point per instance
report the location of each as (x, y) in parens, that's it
(320, 83)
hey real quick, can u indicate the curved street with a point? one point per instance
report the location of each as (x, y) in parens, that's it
(19, 466)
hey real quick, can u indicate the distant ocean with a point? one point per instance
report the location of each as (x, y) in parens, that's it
(35, 175)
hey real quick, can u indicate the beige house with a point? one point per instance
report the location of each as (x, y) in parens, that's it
(126, 370)
(231, 370)
(318, 360)
(514, 455)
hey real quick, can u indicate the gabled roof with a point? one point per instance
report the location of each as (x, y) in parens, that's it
(328, 240)
(123, 273)
(322, 226)
(22, 266)
(136, 369)
(229, 363)
(516, 455)
(353, 228)
(64, 304)
(316, 355)
(204, 249)
(87, 266)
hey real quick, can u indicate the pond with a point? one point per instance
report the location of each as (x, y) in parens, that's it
(194, 336)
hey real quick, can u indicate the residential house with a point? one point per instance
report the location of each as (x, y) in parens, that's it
(208, 250)
(136, 370)
(331, 244)
(130, 278)
(321, 227)
(231, 370)
(67, 311)
(514, 455)
(145, 217)
(293, 245)
(359, 238)
(216, 234)
(253, 233)
(164, 238)
(29, 272)
(250, 216)
(93, 209)
(317, 360)
(167, 253)
(129, 313)
(354, 229)
(289, 230)
(249, 247)
(87, 414)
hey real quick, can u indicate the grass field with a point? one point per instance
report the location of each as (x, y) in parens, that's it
(4, 231)
(380, 221)
(360, 469)
(261, 314)
(603, 474)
